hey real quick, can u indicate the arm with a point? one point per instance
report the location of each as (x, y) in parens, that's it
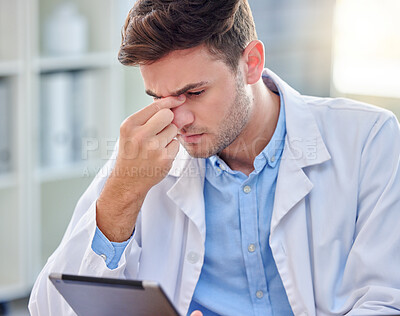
(112, 202)
(147, 149)
(371, 278)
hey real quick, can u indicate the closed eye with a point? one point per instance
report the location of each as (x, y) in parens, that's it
(195, 93)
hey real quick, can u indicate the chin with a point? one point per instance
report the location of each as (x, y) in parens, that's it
(195, 151)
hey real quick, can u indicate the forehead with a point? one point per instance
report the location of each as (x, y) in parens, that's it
(180, 68)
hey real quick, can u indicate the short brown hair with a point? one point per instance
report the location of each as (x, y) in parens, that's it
(154, 28)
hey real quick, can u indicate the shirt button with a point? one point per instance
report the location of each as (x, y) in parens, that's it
(251, 248)
(246, 189)
(272, 158)
(193, 257)
(103, 256)
(222, 167)
(259, 294)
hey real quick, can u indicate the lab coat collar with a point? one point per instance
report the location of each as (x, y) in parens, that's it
(303, 139)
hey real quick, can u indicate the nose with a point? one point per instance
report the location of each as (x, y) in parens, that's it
(182, 116)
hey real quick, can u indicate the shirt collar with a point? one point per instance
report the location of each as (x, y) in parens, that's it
(218, 165)
(273, 151)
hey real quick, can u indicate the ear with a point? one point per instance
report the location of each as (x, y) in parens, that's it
(253, 57)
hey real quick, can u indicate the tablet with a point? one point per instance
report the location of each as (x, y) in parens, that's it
(91, 296)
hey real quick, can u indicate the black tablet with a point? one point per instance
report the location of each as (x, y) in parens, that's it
(91, 296)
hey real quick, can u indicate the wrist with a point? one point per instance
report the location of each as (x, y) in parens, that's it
(116, 212)
(116, 226)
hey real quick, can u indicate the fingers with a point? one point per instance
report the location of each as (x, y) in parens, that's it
(167, 135)
(142, 116)
(162, 141)
(172, 149)
(196, 313)
(158, 122)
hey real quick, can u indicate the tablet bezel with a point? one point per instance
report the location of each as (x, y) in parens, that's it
(61, 281)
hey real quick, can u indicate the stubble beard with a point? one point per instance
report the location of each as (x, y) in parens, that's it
(230, 127)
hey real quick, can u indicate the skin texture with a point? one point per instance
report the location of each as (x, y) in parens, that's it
(207, 107)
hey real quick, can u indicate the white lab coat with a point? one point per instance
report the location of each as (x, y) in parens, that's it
(334, 229)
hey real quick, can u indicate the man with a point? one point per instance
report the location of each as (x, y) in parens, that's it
(275, 204)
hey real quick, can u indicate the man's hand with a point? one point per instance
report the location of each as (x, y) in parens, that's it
(147, 149)
(196, 313)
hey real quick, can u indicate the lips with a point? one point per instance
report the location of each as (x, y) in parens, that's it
(191, 138)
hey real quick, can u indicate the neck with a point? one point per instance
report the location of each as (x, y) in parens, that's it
(258, 132)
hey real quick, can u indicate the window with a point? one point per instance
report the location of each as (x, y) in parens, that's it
(367, 47)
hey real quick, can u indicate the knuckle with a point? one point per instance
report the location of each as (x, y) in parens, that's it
(123, 129)
(127, 126)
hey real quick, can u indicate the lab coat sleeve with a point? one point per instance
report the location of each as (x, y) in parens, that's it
(75, 255)
(371, 281)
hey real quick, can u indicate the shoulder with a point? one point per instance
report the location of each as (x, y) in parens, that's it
(341, 115)
(347, 107)
(347, 127)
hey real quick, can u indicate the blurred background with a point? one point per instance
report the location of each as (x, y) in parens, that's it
(63, 96)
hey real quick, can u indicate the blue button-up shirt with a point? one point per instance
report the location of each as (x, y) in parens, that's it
(239, 275)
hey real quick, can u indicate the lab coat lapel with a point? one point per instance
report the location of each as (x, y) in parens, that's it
(304, 147)
(187, 192)
(292, 186)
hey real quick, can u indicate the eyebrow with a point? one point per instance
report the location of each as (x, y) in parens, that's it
(183, 90)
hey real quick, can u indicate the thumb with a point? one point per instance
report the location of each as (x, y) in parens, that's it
(196, 313)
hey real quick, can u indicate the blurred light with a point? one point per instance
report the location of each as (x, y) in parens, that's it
(367, 47)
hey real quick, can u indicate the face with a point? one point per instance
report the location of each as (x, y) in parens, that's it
(217, 107)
